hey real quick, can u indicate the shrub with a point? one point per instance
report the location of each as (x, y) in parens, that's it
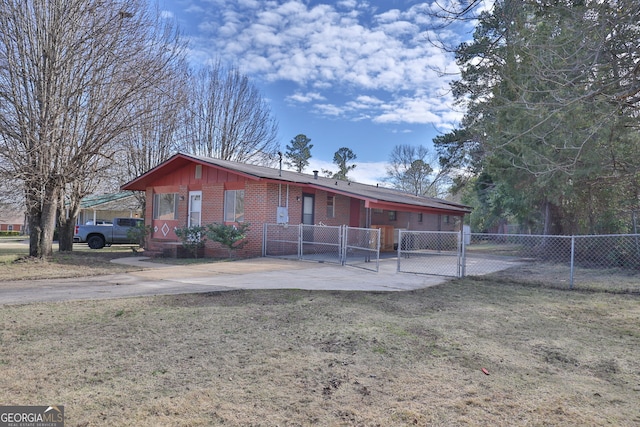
(193, 238)
(231, 236)
(139, 233)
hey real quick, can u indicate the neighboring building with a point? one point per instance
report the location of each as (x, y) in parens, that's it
(11, 219)
(192, 190)
(102, 208)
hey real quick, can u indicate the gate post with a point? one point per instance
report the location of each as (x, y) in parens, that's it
(342, 244)
(300, 234)
(399, 250)
(462, 255)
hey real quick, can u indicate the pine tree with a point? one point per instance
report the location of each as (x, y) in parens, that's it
(299, 152)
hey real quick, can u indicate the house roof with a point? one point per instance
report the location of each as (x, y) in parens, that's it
(373, 195)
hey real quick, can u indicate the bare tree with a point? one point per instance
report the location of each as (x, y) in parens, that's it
(69, 73)
(228, 118)
(410, 169)
(148, 143)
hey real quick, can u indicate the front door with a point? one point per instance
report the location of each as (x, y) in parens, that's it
(308, 201)
(354, 213)
(195, 208)
(307, 209)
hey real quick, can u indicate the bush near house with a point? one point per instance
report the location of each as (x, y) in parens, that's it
(9, 233)
(192, 238)
(232, 237)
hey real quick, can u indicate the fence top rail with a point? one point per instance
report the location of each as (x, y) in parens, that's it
(320, 226)
(606, 235)
(362, 228)
(556, 235)
(402, 231)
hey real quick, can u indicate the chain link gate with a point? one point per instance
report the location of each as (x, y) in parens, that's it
(358, 247)
(438, 253)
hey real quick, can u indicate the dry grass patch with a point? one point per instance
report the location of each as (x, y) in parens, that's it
(15, 264)
(559, 276)
(265, 358)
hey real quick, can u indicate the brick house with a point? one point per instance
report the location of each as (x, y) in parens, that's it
(193, 190)
(11, 221)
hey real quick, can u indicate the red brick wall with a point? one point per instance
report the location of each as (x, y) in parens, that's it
(5, 227)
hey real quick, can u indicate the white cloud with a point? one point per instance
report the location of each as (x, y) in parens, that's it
(329, 109)
(306, 97)
(348, 47)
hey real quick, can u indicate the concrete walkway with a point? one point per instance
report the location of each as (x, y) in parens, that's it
(256, 273)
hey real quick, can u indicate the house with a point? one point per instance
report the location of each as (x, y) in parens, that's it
(102, 208)
(190, 190)
(11, 220)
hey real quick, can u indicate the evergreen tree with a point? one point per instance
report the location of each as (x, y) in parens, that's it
(551, 93)
(298, 152)
(341, 158)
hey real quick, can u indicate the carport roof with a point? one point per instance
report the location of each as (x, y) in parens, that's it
(373, 195)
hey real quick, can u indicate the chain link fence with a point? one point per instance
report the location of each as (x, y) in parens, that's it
(359, 247)
(362, 248)
(429, 252)
(604, 262)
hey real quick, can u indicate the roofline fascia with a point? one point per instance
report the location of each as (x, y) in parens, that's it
(413, 208)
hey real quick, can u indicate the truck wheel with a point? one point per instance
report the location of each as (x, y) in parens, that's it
(96, 242)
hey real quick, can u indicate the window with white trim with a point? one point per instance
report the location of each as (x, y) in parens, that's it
(234, 206)
(165, 206)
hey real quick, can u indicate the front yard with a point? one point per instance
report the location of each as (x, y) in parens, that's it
(265, 358)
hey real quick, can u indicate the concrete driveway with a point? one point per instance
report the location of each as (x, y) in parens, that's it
(256, 273)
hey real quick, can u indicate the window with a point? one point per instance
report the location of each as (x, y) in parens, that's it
(10, 227)
(198, 171)
(447, 219)
(420, 217)
(234, 206)
(129, 222)
(331, 207)
(165, 206)
(393, 215)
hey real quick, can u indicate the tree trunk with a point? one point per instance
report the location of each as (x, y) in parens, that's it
(42, 222)
(552, 219)
(67, 216)
(66, 229)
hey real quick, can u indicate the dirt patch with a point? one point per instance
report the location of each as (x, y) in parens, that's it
(295, 357)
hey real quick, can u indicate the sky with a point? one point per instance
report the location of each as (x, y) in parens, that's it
(366, 75)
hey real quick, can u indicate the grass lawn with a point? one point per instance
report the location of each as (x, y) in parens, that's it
(16, 265)
(265, 358)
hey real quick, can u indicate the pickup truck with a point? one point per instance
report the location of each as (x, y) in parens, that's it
(99, 236)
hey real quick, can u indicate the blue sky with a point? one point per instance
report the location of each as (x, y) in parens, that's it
(356, 74)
